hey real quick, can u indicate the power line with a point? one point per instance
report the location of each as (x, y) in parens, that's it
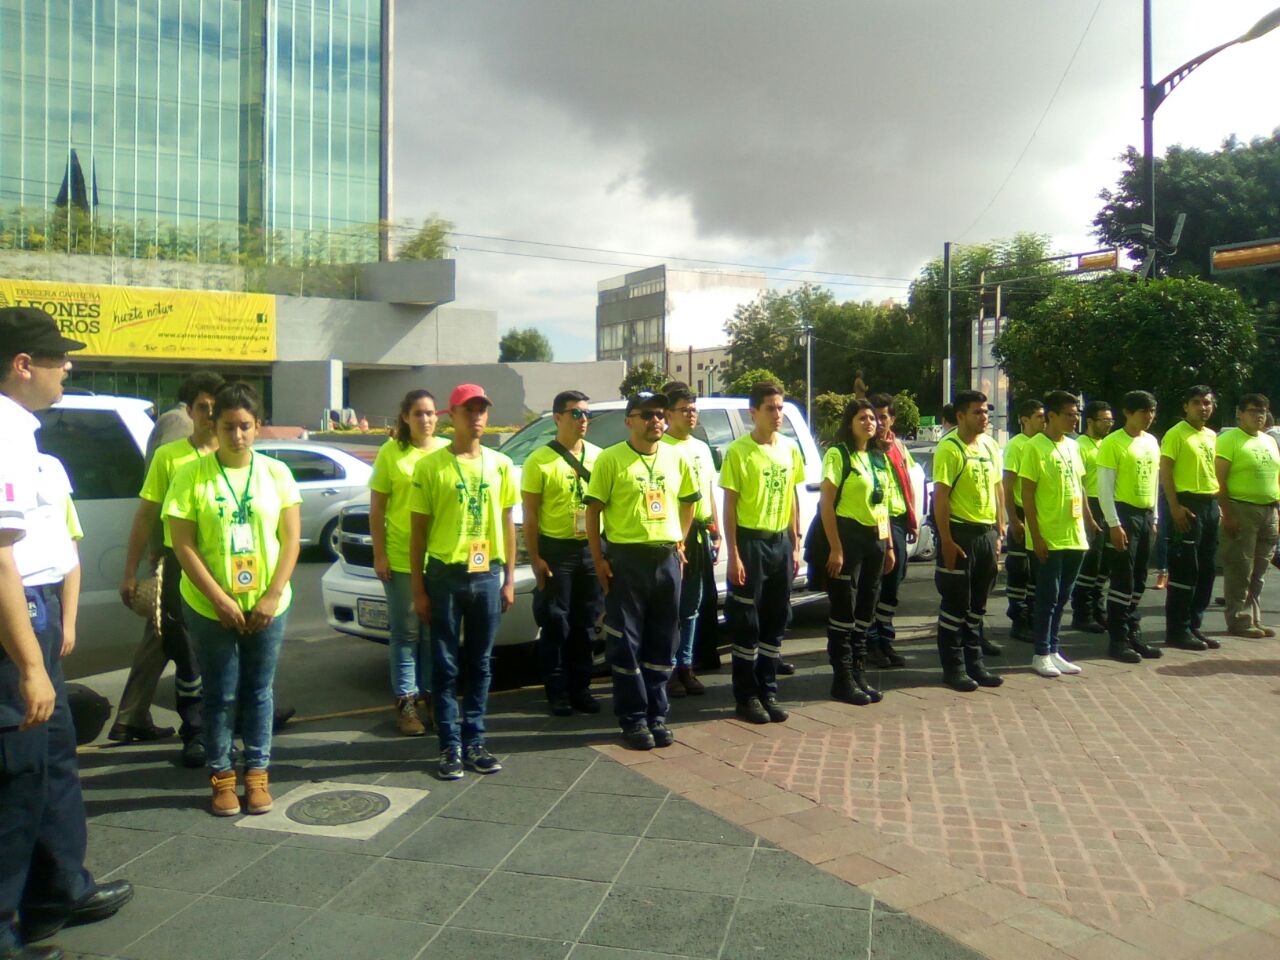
(1009, 176)
(657, 256)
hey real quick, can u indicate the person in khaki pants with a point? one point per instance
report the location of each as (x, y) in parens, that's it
(1248, 469)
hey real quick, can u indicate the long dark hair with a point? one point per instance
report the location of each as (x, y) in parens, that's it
(845, 433)
(404, 436)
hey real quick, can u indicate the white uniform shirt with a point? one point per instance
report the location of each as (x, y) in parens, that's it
(19, 476)
(47, 553)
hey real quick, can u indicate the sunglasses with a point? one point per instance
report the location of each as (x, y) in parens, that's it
(647, 415)
(578, 413)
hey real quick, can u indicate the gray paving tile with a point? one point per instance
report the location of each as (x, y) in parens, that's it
(797, 932)
(410, 890)
(579, 854)
(344, 936)
(895, 935)
(682, 820)
(502, 803)
(609, 776)
(297, 875)
(680, 865)
(110, 847)
(603, 813)
(456, 944)
(551, 908)
(240, 929)
(149, 908)
(591, 951)
(647, 918)
(778, 875)
(149, 813)
(467, 843)
(193, 864)
(538, 770)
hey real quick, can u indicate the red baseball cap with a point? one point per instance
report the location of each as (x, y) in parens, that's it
(464, 393)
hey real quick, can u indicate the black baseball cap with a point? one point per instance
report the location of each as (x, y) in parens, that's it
(28, 330)
(646, 398)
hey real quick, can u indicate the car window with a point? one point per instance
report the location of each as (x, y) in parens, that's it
(99, 453)
(307, 466)
(607, 428)
(716, 429)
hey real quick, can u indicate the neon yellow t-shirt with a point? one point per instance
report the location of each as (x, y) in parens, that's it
(866, 473)
(465, 499)
(206, 493)
(165, 463)
(621, 480)
(1136, 461)
(393, 476)
(704, 471)
(1013, 461)
(1057, 470)
(972, 473)
(894, 494)
(1254, 476)
(1192, 452)
(1089, 455)
(764, 477)
(563, 492)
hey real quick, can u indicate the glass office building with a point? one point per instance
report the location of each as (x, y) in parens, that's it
(201, 129)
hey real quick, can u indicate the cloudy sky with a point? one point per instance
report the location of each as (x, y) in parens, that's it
(846, 136)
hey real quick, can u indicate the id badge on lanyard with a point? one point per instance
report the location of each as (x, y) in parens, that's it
(882, 526)
(655, 505)
(478, 556)
(579, 522)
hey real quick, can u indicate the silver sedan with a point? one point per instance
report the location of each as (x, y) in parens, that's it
(330, 478)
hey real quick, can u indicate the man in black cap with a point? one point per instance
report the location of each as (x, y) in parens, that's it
(44, 885)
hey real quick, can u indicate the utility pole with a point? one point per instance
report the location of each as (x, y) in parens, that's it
(808, 373)
(946, 326)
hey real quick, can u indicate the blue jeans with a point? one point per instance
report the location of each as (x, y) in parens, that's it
(238, 670)
(465, 609)
(409, 651)
(1055, 578)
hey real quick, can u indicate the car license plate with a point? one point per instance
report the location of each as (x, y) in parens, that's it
(372, 614)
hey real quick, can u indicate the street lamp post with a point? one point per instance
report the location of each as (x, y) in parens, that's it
(1154, 94)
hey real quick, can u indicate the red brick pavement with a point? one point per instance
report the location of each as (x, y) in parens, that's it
(1130, 812)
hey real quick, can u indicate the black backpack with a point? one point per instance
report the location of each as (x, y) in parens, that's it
(817, 549)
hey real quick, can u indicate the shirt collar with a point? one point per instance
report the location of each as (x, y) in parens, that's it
(17, 414)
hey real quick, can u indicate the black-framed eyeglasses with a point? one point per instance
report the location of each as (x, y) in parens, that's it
(578, 413)
(647, 415)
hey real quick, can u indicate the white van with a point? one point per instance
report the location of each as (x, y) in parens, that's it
(353, 597)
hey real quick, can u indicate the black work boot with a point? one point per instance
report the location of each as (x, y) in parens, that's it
(1119, 649)
(1020, 630)
(843, 687)
(891, 656)
(859, 671)
(774, 708)
(1085, 621)
(751, 710)
(1145, 650)
(977, 671)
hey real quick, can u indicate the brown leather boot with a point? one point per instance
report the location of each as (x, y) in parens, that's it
(257, 798)
(407, 721)
(692, 684)
(225, 803)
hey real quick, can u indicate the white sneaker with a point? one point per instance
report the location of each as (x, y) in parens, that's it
(1063, 664)
(1044, 666)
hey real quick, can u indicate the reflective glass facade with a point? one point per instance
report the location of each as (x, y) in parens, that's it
(203, 127)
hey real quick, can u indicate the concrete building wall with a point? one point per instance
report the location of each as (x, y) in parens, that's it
(542, 381)
(301, 391)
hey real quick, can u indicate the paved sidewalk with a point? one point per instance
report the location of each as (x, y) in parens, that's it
(565, 853)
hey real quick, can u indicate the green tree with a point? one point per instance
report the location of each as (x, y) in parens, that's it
(529, 344)
(827, 410)
(645, 375)
(1114, 334)
(742, 384)
(430, 242)
(927, 301)
(906, 421)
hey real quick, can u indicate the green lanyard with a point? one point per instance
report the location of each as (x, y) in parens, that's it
(474, 504)
(648, 466)
(243, 510)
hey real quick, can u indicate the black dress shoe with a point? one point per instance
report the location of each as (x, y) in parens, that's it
(584, 702)
(786, 669)
(638, 737)
(751, 710)
(561, 707)
(104, 902)
(1185, 642)
(128, 733)
(193, 753)
(1211, 642)
(32, 953)
(281, 716)
(774, 709)
(662, 736)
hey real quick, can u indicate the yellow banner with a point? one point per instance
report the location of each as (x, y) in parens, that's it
(140, 322)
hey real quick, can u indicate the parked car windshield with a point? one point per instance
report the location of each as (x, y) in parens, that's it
(607, 428)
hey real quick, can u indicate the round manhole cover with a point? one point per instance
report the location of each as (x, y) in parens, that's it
(337, 807)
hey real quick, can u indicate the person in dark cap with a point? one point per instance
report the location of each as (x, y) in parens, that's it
(645, 492)
(44, 885)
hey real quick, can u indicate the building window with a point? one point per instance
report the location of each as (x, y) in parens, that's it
(646, 288)
(700, 365)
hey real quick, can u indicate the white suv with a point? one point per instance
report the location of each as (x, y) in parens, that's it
(353, 598)
(102, 442)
